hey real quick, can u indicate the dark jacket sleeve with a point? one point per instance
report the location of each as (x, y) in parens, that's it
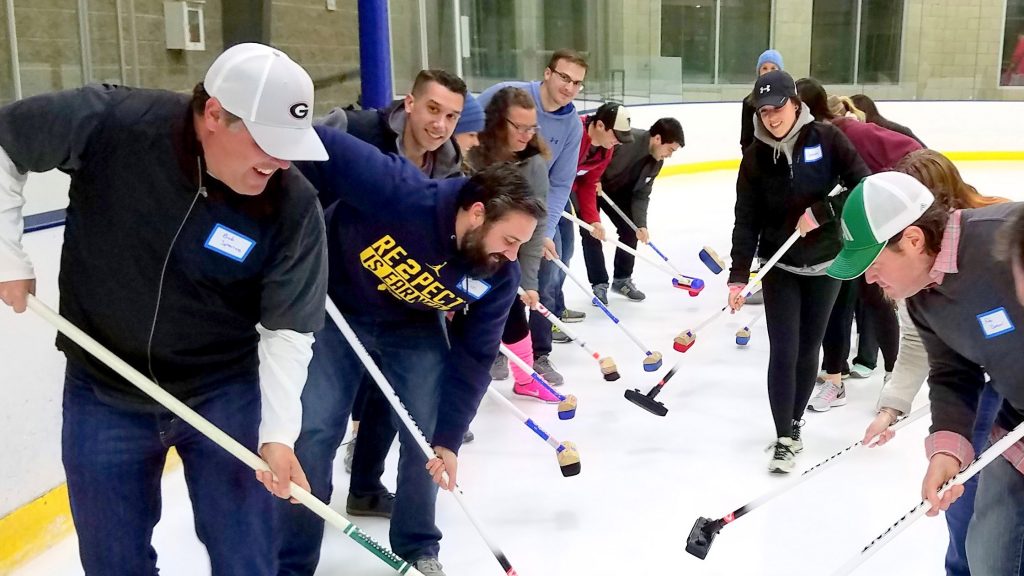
(53, 130)
(746, 124)
(474, 335)
(358, 174)
(747, 228)
(849, 167)
(955, 383)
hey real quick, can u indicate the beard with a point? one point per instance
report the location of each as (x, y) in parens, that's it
(482, 264)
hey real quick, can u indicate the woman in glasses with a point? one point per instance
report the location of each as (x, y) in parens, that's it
(510, 135)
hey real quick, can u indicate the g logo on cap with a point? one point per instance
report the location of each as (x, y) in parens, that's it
(300, 110)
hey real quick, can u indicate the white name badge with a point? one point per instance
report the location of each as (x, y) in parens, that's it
(995, 323)
(582, 172)
(225, 241)
(649, 178)
(473, 287)
(812, 153)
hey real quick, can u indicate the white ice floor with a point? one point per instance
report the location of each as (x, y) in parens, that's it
(646, 479)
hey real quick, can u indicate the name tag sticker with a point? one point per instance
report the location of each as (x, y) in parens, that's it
(812, 153)
(648, 179)
(995, 323)
(225, 241)
(475, 288)
(582, 172)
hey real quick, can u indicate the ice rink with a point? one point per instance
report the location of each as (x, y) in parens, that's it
(645, 479)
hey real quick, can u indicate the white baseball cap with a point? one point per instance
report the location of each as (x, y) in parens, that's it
(272, 95)
(879, 208)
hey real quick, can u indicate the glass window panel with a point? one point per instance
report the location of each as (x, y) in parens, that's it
(564, 23)
(745, 33)
(1012, 68)
(492, 44)
(881, 30)
(833, 38)
(688, 33)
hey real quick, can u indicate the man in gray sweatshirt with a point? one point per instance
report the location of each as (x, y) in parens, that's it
(962, 301)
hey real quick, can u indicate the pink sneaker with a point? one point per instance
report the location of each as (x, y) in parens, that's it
(534, 390)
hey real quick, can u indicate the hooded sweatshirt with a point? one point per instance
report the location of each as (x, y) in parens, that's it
(778, 180)
(393, 257)
(880, 148)
(563, 131)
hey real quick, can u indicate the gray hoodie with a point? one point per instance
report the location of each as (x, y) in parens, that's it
(785, 146)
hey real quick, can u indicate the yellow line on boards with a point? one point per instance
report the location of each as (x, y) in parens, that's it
(43, 522)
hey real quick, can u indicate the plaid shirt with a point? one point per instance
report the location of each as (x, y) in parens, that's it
(944, 441)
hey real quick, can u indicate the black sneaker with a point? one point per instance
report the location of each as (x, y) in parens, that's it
(628, 289)
(798, 443)
(375, 505)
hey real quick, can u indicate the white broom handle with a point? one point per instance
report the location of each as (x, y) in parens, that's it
(561, 265)
(519, 414)
(633, 251)
(182, 411)
(986, 457)
(617, 210)
(754, 285)
(399, 408)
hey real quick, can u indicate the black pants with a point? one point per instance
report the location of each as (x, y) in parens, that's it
(593, 254)
(878, 327)
(836, 344)
(517, 325)
(796, 311)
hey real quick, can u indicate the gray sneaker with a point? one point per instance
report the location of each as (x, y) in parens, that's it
(828, 397)
(559, 336)
(601, 291)
(499, 370)
(628, 289)
(542, 365)
(350, 450)
(429, 566)
(572, 316)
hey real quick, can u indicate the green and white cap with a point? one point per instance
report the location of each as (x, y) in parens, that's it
(880, 207)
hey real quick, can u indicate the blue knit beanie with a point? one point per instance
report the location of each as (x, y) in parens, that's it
(772, 56)
(472, 119)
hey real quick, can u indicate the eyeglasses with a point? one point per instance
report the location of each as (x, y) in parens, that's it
(523, 129)
(577, 84)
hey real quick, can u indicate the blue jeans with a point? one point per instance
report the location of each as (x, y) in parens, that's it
(114, 458)
(412, 356)
(995, 541)
(958, 517)
(550, 282)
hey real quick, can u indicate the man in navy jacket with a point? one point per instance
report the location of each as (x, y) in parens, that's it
(404, 250)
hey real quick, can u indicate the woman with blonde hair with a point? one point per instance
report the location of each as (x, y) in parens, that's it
(941, 176)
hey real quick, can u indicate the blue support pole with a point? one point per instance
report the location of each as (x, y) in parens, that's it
(374, 54)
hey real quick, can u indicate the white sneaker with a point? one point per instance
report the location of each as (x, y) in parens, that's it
(860, 371)
(783, 456)
(828, 397)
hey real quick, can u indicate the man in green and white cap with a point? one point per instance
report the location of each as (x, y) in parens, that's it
(961, 298)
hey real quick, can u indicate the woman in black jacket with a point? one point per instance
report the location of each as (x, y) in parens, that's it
(784, 183)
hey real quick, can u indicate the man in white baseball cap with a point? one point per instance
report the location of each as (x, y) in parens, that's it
(962, 300)
(193, 253)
